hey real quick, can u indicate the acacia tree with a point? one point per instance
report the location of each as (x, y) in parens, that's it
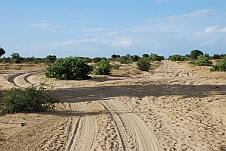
(195, 53)
(2, 51)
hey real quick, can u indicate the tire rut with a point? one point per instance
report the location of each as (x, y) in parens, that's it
(133, 131)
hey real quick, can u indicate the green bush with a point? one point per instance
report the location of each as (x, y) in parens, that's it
(71, 68)
(103, 68)
(30, 99)
(176, 58)
(143, 64)
(203, 60)
(220, 66)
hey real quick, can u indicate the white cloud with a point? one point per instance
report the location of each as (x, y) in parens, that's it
(215, 29)
(44, 25)
(195, 15)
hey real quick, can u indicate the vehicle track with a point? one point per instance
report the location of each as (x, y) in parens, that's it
(21, 79)
(133, 131)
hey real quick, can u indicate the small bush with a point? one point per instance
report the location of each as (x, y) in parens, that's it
(203, 60)
(220, 66)
(71, 68)
(115, 66)
(143, 64)
(103, 68)
(30, 99)
(176, 58)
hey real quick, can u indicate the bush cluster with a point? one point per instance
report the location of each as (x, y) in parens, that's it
(203, 60)
(71, 68)
(30, 99)
(143, 64)
(103, 68)
(220, 66)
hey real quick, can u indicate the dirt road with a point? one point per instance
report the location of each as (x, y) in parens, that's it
(170, 108)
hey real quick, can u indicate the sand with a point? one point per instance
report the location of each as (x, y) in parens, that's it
(177, 106)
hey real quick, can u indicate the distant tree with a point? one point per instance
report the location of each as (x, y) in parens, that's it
(2, 51)
(16, 58)
(155, 57)
(134, 58)
(128, 56)
(176, 58)
(114, 56)
(216, 56)
(145, 55)
(50, 59)
(97, 59)
(195, 53)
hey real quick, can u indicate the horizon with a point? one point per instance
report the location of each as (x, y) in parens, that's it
(102, 28)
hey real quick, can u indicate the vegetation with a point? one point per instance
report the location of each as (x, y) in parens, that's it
(143, 64)
(220, 66)
(176, 58)
(203, 60)
(2, 51)
(195, 53)
(103, 68)
(50, 59)
(155, 57)
(71, 68)
(30, 99)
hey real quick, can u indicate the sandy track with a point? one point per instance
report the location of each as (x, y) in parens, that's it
(133, 131)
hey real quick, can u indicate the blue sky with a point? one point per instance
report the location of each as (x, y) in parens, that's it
(100, 28)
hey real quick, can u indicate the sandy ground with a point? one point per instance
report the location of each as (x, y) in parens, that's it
(174, 107)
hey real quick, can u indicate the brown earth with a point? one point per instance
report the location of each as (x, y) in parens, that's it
(177, 106)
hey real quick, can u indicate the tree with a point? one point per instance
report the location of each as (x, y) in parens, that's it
(50, 59)
(216, 56)
(134, 58)
(2, 51)
(195, 53)
(16, 57)
(155, 57)
(145, 55)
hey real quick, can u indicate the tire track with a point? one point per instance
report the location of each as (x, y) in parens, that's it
(134, 133)
(11, 79)
(82, 131)
(21, 79)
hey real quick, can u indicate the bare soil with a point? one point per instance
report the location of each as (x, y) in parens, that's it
(176, 106)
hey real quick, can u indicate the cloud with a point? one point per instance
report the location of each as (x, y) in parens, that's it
(215, 29)
(195, 15)
(44, 25)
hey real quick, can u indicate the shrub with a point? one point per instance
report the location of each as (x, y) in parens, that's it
(71, 68)
(155, 57)
(115, 66)
(143, 64)
(220, 66)
(30, 99)
(103, 68)
(203, 60)
(176, 58)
